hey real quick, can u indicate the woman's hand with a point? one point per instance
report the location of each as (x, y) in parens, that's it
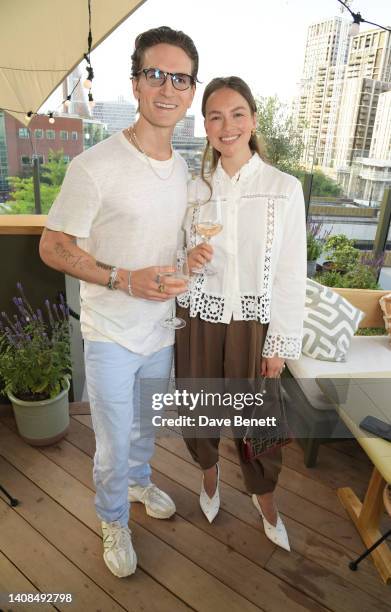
(272, 367)
(199, 256)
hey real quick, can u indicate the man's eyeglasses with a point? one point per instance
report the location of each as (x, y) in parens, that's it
(156, 78)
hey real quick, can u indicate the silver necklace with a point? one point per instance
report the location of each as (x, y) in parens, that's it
(133, 138)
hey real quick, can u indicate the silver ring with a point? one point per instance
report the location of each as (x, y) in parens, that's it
(158, 279)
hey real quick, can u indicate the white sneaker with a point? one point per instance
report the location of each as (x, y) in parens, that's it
(157, 503)
(118, 551)
(210, 506)
(276, 533)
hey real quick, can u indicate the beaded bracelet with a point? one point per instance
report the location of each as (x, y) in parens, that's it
(112, 278)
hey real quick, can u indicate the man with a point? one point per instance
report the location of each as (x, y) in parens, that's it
(120, 201)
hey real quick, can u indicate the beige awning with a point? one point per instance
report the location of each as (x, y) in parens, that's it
(42, 41)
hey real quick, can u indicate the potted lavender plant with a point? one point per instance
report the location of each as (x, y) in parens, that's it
(35, 368)
(315, 240)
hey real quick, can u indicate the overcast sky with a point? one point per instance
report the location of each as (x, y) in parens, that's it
(258, 40)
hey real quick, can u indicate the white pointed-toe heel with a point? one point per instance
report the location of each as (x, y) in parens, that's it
(276, 533)
(210, 505)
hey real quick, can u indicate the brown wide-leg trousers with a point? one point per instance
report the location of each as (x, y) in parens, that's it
(218, 350)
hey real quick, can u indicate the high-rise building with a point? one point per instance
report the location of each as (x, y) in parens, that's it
(316, 109)
(344, 73)
(78, 104)
(368, 177)
(381, 139)
(117, 115)
(189, 146)
(367, 76)
(184, 129)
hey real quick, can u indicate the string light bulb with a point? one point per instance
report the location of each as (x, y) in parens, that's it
(51, 118)
(68, 101)
(91, 101)
(90, 75)
(28, 115)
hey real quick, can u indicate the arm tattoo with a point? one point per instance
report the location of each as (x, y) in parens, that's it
(76, 261)
(100, 264)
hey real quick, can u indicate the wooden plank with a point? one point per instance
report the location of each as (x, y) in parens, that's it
(330, 469)
(349, 447)
(310, 544)
(46, 567)
(373, 507)
(5, 410)
(326, 588)
(251, 542)
(236, 571)
(83, 547)
(328, 524)
(234, 534)
(181, 576)
(330, 555)
(289, 479)
(22, 224)
(366, 300)
(13, 581)
(370, 534)
(79, 408)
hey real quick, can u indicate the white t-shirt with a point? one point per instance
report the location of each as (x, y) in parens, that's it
(122, 214)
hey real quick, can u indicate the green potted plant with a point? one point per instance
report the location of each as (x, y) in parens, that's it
(347, 267)
(314, 246)
(342, 253)
(35, 367)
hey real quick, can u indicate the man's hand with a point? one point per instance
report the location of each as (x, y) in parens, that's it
(152, 283)
(60, 251)
(272, 367)
(199, 256)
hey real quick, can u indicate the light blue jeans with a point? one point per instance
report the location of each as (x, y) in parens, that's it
(122, 456)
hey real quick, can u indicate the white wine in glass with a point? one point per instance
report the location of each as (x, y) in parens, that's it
(176, 259)
(208, 224)
(208, 229)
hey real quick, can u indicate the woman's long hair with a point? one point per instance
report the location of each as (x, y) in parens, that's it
(256, 143)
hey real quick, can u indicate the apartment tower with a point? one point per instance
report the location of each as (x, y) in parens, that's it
(321, 89)
(367, 76)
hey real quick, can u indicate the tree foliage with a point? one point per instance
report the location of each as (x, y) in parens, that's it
(322, 185)
(21, 201)
(284, 144)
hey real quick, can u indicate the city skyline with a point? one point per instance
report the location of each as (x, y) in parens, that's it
(270, 37)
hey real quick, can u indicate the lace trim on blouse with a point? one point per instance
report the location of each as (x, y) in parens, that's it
(210, 307)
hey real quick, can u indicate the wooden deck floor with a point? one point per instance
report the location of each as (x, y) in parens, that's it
(51, 542)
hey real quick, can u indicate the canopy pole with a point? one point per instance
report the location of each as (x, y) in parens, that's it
(37, 186)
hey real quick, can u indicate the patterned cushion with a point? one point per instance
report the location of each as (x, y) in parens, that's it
(330, 322)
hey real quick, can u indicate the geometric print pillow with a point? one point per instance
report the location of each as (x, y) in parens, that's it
(330, 322)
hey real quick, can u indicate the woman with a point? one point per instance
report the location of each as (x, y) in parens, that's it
(245, 320)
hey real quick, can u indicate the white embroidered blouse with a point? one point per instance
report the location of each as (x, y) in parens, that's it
(260, 254)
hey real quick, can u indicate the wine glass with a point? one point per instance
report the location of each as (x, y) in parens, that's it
(208, 223)
(176, 261)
